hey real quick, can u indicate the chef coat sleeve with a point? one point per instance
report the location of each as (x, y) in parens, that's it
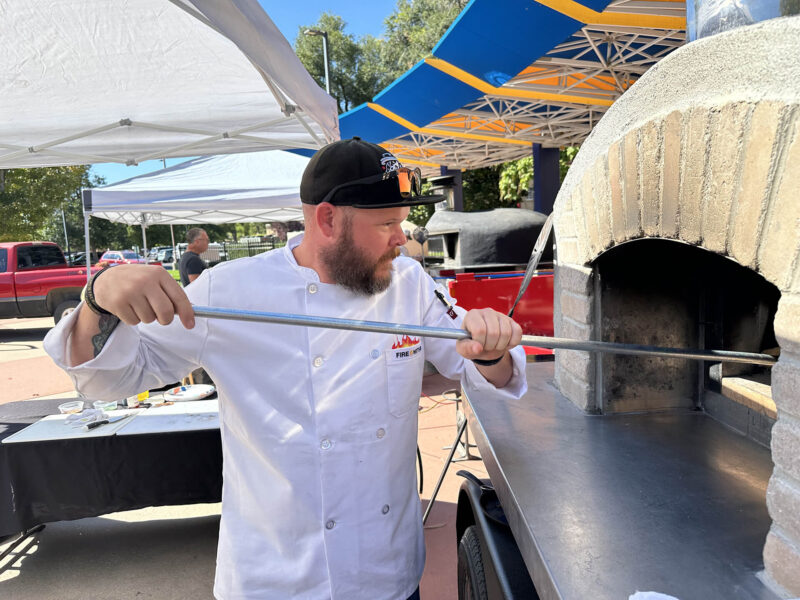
(135, 358)
(442, 353)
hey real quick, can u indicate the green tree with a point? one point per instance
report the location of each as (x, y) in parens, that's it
(566, 156)
(355, 71)
(413, 29)
(482, 188)
(30, 197)
(789, 7)
(515, 180)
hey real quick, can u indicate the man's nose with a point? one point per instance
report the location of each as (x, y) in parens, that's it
(398, 237)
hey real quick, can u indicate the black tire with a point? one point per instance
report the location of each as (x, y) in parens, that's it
(63, 309)
(471, 578)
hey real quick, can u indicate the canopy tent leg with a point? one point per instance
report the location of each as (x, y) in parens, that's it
(174, 249)
(144, 239)
(88, 253)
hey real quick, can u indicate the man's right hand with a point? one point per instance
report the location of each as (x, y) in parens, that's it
(142, 294)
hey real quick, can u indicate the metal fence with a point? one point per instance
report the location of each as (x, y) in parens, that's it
(220, 252)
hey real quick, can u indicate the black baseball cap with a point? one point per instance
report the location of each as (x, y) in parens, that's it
(360, 174)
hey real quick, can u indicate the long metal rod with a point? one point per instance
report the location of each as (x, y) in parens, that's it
(461, 334)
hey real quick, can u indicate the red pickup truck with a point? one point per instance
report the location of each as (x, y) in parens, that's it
(35, 281)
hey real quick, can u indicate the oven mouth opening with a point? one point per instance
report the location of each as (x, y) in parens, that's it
(667, 293)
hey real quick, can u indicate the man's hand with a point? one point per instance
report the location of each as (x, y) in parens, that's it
(493, 333)
(134, 294)
(142, 294)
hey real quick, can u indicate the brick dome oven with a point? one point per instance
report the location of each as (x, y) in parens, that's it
(679, 225)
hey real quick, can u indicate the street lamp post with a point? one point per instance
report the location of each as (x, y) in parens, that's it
(324, 34)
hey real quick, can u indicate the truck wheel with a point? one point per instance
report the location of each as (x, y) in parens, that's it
(471, 579)
(63, 309)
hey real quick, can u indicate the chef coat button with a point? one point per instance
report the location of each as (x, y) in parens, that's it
(312, 288)
(325, 444)
(380, 433)
(385, 509)
(330, 524)
(375, 353)
(318, 361)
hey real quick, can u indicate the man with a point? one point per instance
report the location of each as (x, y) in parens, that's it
(319, 426)
(191, 265)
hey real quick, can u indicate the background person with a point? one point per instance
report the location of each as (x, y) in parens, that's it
(319, 426)
(191, 265)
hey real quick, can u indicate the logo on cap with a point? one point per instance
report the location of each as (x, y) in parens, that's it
(389, 163)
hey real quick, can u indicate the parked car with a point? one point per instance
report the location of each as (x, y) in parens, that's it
(35, 281)
(78, 259)
(121, 257)
(166, 258)
(152, 253)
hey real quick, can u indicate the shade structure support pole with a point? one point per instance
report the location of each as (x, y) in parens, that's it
(458, 187)
(546, 179)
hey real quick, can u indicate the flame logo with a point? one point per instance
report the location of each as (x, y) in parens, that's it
(405, 342)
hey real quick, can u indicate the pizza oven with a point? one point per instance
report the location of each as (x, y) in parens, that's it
(679, 225)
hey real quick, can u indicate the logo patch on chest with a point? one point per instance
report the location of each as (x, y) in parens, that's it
(404, 348)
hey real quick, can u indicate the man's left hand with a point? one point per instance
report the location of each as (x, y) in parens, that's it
(493, 334)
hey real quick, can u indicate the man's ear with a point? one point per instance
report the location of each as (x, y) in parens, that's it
(324, 218)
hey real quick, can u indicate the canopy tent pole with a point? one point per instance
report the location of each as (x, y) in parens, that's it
(86, 237)
(174, 249)
(66, 235)
(144, 237)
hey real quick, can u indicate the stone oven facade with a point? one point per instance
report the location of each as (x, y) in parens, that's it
(679, 225)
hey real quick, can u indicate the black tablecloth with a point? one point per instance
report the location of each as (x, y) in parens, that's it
(42, 482)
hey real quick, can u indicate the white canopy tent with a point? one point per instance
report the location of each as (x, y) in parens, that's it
(92, 81)
(235, 188)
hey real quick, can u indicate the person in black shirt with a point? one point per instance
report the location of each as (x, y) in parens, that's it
(191, 265)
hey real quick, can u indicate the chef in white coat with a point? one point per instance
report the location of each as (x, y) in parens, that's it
(319, 426)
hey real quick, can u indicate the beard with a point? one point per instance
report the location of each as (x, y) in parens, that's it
(350, 267)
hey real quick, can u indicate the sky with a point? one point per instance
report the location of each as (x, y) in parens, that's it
(362, 18)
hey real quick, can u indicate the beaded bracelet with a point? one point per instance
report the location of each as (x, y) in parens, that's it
(88, 294)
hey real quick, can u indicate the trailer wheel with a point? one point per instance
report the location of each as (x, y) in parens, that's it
(63, 309)
(471, 578)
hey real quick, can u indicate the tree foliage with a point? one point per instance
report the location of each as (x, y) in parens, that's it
(412, 31)
(515, 179)
(355, 69)
(566, 156)
(29, 198)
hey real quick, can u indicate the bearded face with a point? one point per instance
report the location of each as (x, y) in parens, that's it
(353, 268)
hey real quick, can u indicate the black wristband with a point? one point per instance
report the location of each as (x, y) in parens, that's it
(488, 363)
(89, 294)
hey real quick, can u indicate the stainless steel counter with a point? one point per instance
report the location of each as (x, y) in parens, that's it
(603, 506)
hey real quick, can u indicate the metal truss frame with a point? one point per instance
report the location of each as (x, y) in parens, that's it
(594, 67)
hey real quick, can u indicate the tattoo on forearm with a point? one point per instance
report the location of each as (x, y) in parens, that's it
(107, 325)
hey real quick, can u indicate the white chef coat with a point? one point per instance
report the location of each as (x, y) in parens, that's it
(319, 426)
